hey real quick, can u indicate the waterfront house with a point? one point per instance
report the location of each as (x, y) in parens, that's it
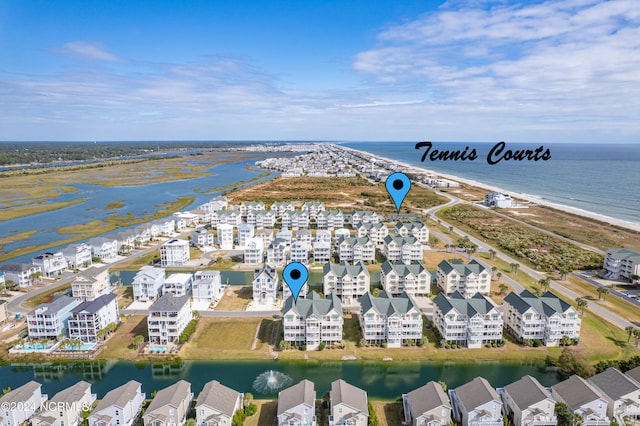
(181, 221)
(202, 238)
(414, 279)
(142, 235)
(77, 255)
(467, 279)
(174, 253)
(147, 283)
(498, 200)
(427, 406)
(168, 317)
(178, 284)
(313, 320)
(120, 406)
(226, 217)
(472, 322)
(584, 399)
(321, 251)
(105, 249)
(206, 286)
(225, 236)
(348, 282)
(330, 219)
(217, 404)
(348, 405)
(49, 320)
(126, 241)
(634, 373)
(297, 405)
(91, 284)
(277, 252)
(51, 264)
(265, 284)
(245, 232)
(300, 252)
(621, 392)
(415, 229)
(390, 320)
(546, 318)
(286, 235)
(376, 231)
(88, 318)
(166, 226)
(402, 249)
(23, 274)
(528, 403)
(622, 263)
(353, 249)
(476, 403)
(73, 399)
(170, 406)
(28, 397)
(202, 217)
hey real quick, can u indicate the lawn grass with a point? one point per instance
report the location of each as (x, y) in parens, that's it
(117, 347)
(433, 258)
(267, 411)
(46, 296)
(388, 413)
(236, 298)
(134, 264)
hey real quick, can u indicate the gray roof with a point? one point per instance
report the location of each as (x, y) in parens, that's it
(56, 305)
(386, 304)
(576, 392)
(345, 269)
(614, 384)
(98, 241)
(410, 225)
(347, 394)
(313, 304)
(526, 392)
(461, 268)
(169, 302)
(401, 241)
(426, 398)
(119, 396)
(634, 374)
(476, 393)
(93, 306)
(21, 394)
(625, 253)
(17, 267)
(301, 393)
(72, 393)
(477, 304)
(218, 397)
(172, 395)
(547, 304)
(414, 268)
(352, 241)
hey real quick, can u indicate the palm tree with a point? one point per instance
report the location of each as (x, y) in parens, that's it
(629, 329)
(605, 292)
(563, 270)
(514, 267)
(582, 304)
(636, 335)
(576, 419)
(499, 275)
(492, 254)
(544, 283)
(503, 288)
(138, 340)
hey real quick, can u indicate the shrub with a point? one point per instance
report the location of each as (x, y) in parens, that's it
(537, 343)
(251, 409)
(321, 346)
(188, 331)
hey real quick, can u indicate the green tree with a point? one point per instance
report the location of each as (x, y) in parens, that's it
(629, 329)
(238, 418)
(503, 288)
(190, 422)
(138, 340)
(582, 304)
(492, 254)
(602, 292)
(514, 267)
(636, 335)
(373, 418)
(563, 414)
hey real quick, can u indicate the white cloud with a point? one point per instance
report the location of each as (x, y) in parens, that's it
(87, 50)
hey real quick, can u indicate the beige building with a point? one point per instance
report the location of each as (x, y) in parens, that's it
(528, 403)
(217, 404)
(427, 406)
(72, 400)
(170, 406)
(348, 405)
(91, 284)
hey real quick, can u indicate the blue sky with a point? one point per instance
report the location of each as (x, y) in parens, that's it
(466, 70)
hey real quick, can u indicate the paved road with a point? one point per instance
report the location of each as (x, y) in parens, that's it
(235, 314)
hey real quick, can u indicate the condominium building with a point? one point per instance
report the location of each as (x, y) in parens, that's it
(546, 318)
(177, 284)
(402, 249)
(321, 251)
(390, 320)
(295, 219)
(265, 285)
(147, 283)
(168, 317)
(91, 284)
(88, 318)
(261, 219)
(225, 236)
(376, 231)
(313, 320)
(330, 219)
(622, 263)
(414, 279)
(467, 279)
(364, 216)
(348, 282)
(279, 207)
(312, 208)
(353, 249)
(174, 253)
(415, 229)
(226, 217)
(472, 322)
(251, 206)
(49, 320)
(52, 264)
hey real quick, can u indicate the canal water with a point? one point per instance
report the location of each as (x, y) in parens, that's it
(381, 380)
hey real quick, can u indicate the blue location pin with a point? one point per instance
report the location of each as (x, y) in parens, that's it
(295, 275)
(398, 186)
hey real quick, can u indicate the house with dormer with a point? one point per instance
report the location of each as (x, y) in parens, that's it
(414, 229)
(170, 406)
(528, 403)
(73, 399)
(376, 231)
(467, 279)
(584, 399)
(402, 249)
(388, 319)
(427, 406)
(621, 392)
(348, 405)
(312, 320)
(476, 403)
(120, 406)
(414, 278)
(297, 405)
(353, 249)
(347, 281)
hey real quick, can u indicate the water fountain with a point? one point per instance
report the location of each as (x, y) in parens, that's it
(271, 382)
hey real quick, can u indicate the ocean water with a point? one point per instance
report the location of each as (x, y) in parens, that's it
(598, 178)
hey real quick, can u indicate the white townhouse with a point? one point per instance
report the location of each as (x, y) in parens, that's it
(23, 274)
(390, 320)
(226, 217)
(265, 285)
(261, 219)
(166, 227)
(304, 235)
(279, 207)
(120, 406)
(546, 318)
(28, 397)
(348, 405)
(330, 219)
(52, 264)
(126, 241)
(215, 204)
(251, 206)
(143, 235)
(402, 249)
(174, 253)
(376, 231)
(266, 235)
(91, 284)
(170, 406)
(300, 252)
(206, 286)
(323, 235)
(181, 222)
(472, 322)
(348, 282)
(295, 220)
(147, 283)
(65, 408)
(467, 279)
(415, 229)
(225, 236)
(286, 235)
(364, 216)
(476, 403)
(621, 392)
(217, 404)
(321, 251)
(528, 403)
(105, 249)
(77, 255)
(178, 284)
(353, 249)
(313, 320)
(278, 252)
(584, 399)
(622, 263)
(245, 232)
(427, 406)
(414, 279)
(168, 317)
(297, 405)
(312, 208)
(49, 320)
(202, 217)
(202, 238)
(88, 318)
(254, 250)
(498, 200)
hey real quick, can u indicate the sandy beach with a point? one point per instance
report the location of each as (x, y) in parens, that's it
(520, 196)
